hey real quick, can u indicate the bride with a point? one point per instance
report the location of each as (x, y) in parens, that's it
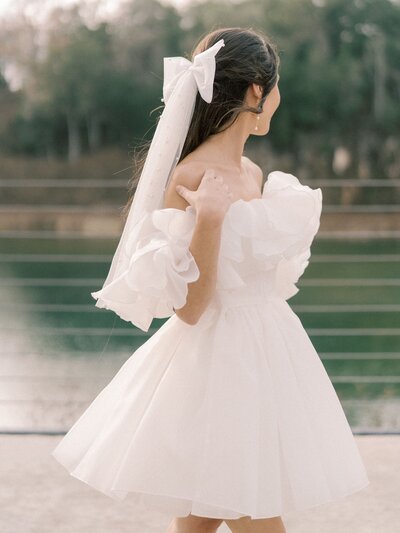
(226, 414)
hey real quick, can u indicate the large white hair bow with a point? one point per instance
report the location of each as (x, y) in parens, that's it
(182, 80)
(202, 69)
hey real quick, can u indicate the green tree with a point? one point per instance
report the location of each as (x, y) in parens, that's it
(74, 81)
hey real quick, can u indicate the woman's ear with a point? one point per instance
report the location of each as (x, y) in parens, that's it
(254, 93)
(257, 90)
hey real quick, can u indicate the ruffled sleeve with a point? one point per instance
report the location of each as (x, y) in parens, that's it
(154, 282)
(277, 228)
(300, 221)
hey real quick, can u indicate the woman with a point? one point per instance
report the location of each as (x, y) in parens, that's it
(226, 413)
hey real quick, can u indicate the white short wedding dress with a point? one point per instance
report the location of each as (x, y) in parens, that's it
(234, 415)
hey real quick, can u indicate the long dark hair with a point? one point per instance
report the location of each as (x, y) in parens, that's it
(248, 56)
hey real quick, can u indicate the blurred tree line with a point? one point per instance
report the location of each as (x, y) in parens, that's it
(82, 85)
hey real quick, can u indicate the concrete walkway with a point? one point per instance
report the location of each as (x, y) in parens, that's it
(37, 495)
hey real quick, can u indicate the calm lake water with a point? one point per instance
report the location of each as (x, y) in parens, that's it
(58, 350)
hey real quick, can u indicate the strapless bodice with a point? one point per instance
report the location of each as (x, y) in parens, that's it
(265, 243)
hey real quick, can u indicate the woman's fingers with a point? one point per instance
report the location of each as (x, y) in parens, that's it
(184, 192)
(210, 174)
(212, 196)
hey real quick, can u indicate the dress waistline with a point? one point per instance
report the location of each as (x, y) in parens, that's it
(255, 291)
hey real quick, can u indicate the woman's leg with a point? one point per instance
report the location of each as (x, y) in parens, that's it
(258, 525)
(194, 524)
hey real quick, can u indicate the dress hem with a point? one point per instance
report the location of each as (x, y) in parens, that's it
(112, 493)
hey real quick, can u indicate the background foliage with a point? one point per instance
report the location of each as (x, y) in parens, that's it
(73, 85)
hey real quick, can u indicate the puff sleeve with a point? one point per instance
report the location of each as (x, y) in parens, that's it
(154, 282)
(303, 212)
(277, 229)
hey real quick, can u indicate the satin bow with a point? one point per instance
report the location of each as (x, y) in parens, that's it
(202, 68)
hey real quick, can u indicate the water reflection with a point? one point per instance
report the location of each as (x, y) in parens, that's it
(45, 392)
(53, 363)
(58, 350)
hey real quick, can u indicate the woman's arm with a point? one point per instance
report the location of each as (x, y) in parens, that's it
(205, 242)
(204, 247)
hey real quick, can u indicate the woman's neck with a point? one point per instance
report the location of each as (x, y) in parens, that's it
(228, 146)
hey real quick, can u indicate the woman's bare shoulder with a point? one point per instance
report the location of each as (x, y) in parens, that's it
(187, 173)
(255, 169)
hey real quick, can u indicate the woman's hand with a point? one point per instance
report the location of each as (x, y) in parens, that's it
(212, 197)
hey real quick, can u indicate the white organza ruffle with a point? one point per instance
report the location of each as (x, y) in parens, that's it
(277, 229)
(159, 269)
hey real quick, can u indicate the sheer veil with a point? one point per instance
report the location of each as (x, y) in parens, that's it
(182, 80)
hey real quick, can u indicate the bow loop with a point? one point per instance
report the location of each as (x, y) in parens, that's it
(202, 69)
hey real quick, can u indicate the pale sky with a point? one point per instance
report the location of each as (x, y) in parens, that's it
(6, 5)
(37, 11)
(9, 6)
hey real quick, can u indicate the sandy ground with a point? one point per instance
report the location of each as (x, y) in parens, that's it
(38, 495)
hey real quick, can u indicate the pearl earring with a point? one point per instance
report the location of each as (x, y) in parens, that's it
(258, 118)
